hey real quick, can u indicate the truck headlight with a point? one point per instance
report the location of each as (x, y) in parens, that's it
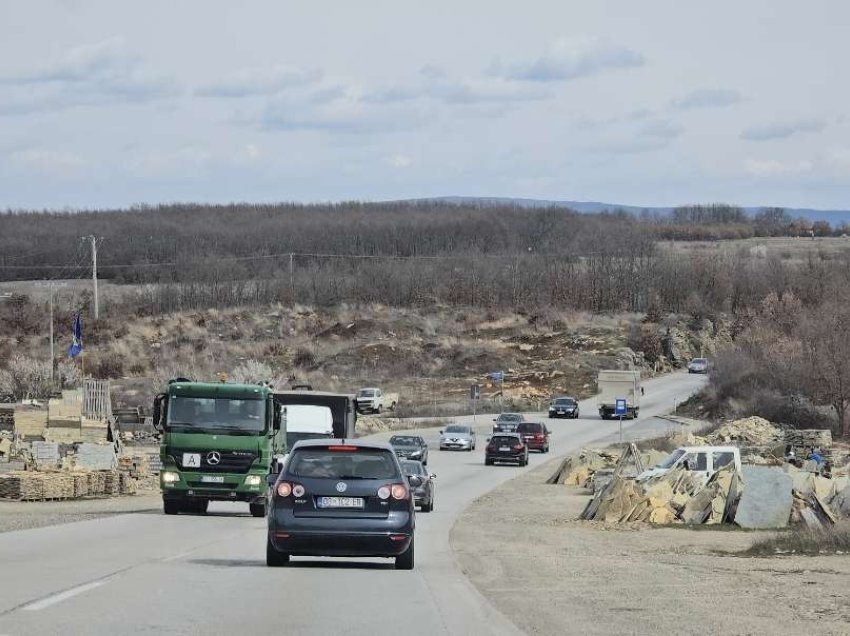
(169, 477)
(252, 480)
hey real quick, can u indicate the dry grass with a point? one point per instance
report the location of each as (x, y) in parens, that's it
(834, 540)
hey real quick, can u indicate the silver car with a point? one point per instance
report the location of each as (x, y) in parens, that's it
(457, 437)
(698, 365)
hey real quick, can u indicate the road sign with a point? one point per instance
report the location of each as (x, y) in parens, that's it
(620, 406)
(498, 376)
(475, 392)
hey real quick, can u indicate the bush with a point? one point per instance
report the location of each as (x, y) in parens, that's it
(29, 378)
(251, 372)
(834, 540)
(304, 358)
(107, 367)
(644, 338)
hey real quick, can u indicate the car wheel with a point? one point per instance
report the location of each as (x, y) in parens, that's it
(404, 561)
(275, 558)
(170, 506)
(488, 461)
(258, 510)
(426, 507)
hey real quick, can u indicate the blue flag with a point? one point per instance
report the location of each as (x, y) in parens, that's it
(77, 333)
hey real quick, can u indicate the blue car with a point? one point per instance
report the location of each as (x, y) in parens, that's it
(341, 498)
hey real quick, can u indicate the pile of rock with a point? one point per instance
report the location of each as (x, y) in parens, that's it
(677, 496)
(750, 431)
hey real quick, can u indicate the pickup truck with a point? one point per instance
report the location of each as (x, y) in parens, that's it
(701, 459)
(374, 400)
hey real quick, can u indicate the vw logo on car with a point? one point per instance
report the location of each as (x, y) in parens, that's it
(341, 487)
(213, 458)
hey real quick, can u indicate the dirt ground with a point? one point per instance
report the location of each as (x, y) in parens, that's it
(23, 515)
(524, 549)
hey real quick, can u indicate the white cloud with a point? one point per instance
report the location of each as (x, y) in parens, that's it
(768, 132)
(104, 72)
(400, 161)
(57, 162)
(570, 58)
(776, 168)
(708, 98)
(260, 81)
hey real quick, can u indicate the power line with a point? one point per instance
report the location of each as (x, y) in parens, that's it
(259, 257)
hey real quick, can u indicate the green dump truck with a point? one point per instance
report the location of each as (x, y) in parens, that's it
(218, 442)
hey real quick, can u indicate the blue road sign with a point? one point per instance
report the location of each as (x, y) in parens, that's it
(620, 406)
(498, 376)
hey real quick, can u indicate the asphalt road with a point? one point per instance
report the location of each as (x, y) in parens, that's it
(148, 573)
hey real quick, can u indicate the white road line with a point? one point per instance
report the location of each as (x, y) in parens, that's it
(61, 596)
(176, 557)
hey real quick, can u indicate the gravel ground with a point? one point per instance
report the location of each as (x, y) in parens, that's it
(524, 549)
(23, 515)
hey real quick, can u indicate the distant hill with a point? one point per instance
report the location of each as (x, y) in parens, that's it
(835, 217)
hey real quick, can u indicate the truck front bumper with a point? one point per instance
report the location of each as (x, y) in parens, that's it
(183, 485)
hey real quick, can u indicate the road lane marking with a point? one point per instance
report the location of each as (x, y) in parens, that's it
(62, 596)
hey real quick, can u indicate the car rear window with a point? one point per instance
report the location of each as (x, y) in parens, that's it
(504, 440)
(509, 417)
(332, 464)
(412, 468)
(530, 427)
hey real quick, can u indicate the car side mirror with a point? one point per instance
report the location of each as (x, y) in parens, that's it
(441, 432)
(271, 479)
(433, 475)
(489, 438)
(413, 480)
(158, 411)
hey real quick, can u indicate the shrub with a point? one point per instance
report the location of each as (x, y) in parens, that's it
(304, 358)
(108, 367)
(26, 377)
(833, 540)
(251, 372)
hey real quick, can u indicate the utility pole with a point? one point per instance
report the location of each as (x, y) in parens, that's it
(291, 277)
(94, 240)
(52, 358)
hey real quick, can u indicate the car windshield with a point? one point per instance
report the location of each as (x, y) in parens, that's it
(366, 393)
(672, 459)
(509, 417)
(412, 468)
(566, 401)
(216, 415)
(404, 440)
(456, 428)
(699, 360)
(332, 464)
(504, 440)
(529, 427)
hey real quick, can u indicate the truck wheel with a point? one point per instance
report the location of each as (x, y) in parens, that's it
(200, 507)
(404, 561)
(170, 506)
(275, 558)
(258, 510)
(392, 406)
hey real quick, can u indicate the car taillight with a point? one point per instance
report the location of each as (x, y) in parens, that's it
(517, 446)
(541, 436)
(284, 489)
(384, 492)
(399, 491)
(298, 490)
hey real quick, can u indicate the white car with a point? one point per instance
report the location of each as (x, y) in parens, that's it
(457, 437)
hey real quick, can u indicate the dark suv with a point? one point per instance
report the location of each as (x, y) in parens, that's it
(535, 435)
(506, 447)
(344, 498)
(507, 422)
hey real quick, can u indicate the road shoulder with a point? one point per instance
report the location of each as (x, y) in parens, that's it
(523, 548)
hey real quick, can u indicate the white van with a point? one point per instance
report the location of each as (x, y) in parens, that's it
(700, 459)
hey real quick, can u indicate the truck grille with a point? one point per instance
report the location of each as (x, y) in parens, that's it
(228, 461)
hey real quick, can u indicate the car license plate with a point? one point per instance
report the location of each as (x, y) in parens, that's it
(191, 460)
(212, 479)
(340, 502)
(504, 448)
(562, 412)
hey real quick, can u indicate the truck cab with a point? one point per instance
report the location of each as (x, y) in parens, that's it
(217, 441)
(700, 459)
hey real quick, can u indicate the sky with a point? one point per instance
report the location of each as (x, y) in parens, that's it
(107, 104)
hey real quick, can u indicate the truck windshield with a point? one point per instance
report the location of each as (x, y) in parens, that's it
(366, 393)
(672, 459)
(216, 415)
